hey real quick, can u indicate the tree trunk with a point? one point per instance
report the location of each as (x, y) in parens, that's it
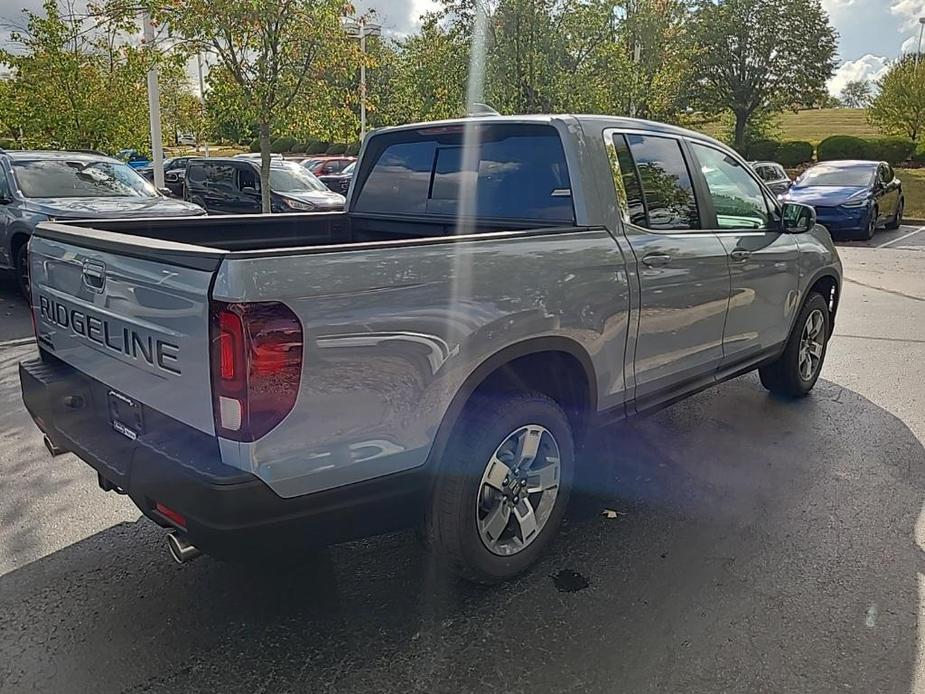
(264, 167)
(739, 138)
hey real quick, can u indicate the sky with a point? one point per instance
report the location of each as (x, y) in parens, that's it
(871, 32)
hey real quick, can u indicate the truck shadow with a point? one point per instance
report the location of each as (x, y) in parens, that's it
(731, 543)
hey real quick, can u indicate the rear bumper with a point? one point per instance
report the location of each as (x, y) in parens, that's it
(228, 512)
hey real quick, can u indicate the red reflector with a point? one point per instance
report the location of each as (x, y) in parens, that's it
(170, 514)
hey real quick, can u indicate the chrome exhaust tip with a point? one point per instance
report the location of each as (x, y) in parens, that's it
(181, 549)
(52, 448)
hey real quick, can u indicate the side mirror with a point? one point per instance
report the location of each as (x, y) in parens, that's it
(797, 218)
(250, 190)
(172, 177)
(165, 192)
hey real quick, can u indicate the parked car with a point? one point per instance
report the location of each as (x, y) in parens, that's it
(174, 174)
(133, 158)
(339, 182)
(327, 165)
(40, 186)
(425, 357)
(232, 186)
(773, 175)
(186, 139)
(852, 199)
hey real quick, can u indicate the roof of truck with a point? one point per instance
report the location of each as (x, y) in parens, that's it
(620, 122)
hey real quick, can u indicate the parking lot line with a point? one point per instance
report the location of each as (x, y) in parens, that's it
(904, 236)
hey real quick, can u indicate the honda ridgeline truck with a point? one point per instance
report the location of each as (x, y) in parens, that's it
(434, 354)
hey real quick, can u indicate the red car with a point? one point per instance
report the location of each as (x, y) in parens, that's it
(327, 165)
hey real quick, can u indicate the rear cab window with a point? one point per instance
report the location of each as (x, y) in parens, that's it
(515, 171)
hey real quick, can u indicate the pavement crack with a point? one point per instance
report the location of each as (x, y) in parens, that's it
(888, 291)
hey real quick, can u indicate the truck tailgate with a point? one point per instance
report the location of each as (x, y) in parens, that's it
(135, 319)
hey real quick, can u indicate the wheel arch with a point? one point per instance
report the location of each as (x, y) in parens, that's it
(827, 283)
(567, 375)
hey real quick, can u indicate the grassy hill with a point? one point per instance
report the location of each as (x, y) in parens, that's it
(816, 125)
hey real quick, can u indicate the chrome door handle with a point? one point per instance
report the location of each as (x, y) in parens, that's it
(656, 259)
(740, 254)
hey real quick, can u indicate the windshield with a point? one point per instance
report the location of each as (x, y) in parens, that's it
(292, 178)
(349, 169)
(836, 176)
(62, 178)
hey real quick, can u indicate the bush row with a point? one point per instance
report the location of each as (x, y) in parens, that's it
(286, 144)
(793, 153)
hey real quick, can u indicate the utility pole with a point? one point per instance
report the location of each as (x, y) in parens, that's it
(202, 94)
(154, 107)
(918, 53)
(360, 28)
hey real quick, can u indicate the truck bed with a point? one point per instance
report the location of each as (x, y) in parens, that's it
(279, 231)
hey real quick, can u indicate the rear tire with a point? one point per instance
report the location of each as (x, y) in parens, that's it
(898, 217)
(791, 375)
(487, 474)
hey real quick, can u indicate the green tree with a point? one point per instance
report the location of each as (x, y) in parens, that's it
(274, 50)
(77, 82)
(857, 94)
(899, 107)
(760, 56)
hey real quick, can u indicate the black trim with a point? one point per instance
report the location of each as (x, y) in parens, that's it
(229, 512)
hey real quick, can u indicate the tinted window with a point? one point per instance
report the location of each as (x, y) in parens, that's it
(221, 175)
(61, 178)
(737, 198)
(767, 173)
(515, 172)
(629, 190)
(4, 186)
(666, 182)
(248, 178)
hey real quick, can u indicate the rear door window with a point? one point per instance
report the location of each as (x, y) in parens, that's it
(514, 172)
(666, 183)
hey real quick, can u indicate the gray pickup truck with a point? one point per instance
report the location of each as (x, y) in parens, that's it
(435, 354)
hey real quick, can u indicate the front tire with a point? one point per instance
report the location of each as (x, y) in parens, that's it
(502, 486)
(898, 217)
(868, 233)
(796, 371)
(21, 267)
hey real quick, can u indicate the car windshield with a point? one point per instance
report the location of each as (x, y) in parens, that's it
(349, 169)
(64, 178)
(837, 176)
(286, 177)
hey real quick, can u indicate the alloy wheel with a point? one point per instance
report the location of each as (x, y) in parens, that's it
(518, 490)
(811, 345)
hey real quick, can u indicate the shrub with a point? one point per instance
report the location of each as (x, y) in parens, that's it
(318, 147)
(255, 145)
(919, 156)
(336, 149)
(794, 152)
(843, 147)
(353, 149)
(894, 150)
(763, 150)
(283, 144)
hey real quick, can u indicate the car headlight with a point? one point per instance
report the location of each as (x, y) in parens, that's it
(299, 205)
(855, 204)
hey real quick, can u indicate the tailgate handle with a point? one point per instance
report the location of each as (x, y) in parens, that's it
(94, 276)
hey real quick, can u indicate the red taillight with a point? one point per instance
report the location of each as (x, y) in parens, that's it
(256, 367)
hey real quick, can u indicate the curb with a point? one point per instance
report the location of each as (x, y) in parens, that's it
(913, 222)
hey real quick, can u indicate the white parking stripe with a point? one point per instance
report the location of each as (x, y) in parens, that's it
(905, 236)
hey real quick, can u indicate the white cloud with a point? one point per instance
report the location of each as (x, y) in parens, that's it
(908, 10)
(836, 5)
(869, 67)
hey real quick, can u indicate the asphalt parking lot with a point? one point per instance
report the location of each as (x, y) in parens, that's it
(757, 545)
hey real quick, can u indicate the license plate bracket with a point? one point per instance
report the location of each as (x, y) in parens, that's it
(125, 415)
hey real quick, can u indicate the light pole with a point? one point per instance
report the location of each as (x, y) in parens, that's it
(921, 31)
(360, 28)
(202, 96)
(154, 107)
